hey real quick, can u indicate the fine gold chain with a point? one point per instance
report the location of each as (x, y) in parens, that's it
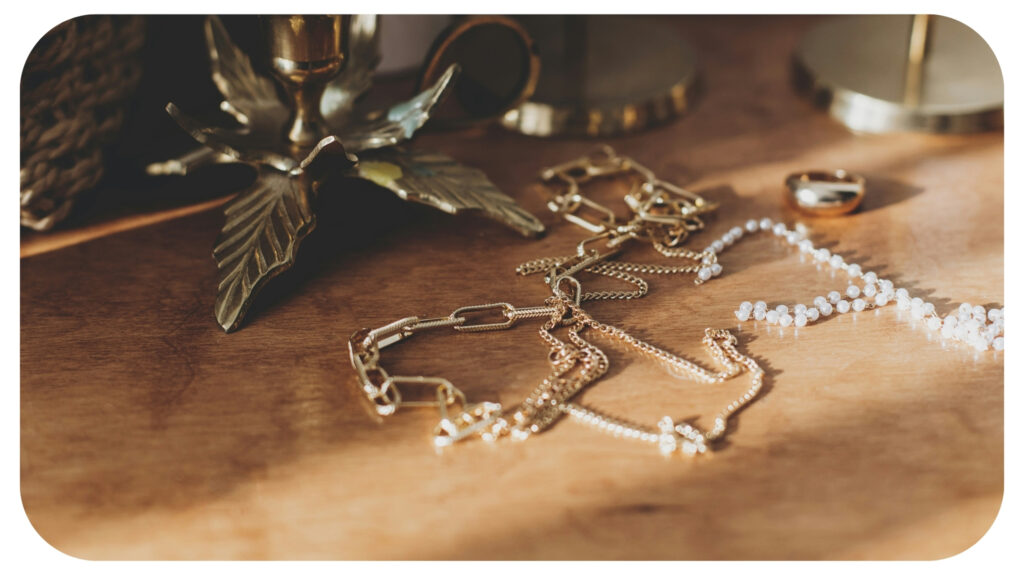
(664, 215)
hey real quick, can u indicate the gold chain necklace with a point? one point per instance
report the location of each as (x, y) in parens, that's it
(664, 215)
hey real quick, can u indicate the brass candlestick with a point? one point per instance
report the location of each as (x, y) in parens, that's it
(324, 64)
(306, 52)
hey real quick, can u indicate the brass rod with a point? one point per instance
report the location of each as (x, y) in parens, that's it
(917, 50)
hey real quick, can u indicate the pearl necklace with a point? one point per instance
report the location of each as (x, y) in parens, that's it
(974, 325)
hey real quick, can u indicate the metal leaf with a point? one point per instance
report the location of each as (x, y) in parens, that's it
(362, 59)
(398, 123)
(189, 161)
(256, 143)
(262, 231)
(439, 181)
(245, 92)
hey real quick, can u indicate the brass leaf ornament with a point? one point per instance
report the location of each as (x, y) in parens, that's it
(263, 228)
(436, 180)
(324, 63)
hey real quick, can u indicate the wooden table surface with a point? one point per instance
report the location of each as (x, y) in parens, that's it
(149, 433)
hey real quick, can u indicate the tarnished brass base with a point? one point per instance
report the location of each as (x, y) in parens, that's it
(897, 73)
(605, 75)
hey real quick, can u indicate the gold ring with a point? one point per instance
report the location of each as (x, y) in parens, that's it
(824, 194)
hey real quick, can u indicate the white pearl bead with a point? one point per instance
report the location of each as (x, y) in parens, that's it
(737, 232)
(902, 304)
(870, 290)
(772, 317)
(792, 238)
(806, 246)
(822, 255)
(978, 310)
(704, 274)
(747, 306)
(993, 314)
(843, 306)
(799, 320)
(870, 277)
(801, 228)
(885, 285)
(766, 224)
(858, 305)
(972, 326)
(928, 308)
(902, 292)
(717, 246)
(727, 239)
(998, 343)
(950, 320)
(812, 314)
(782, 309)
(960, 332)
(708, 259)
(826, 309)
(742, 314)
(917, 312)
(799, 308)
(947, 331)
(834, 297)
(759, 313)
(716, 269)
(934, 323)
(760, 305)
(818, 300)
(785, 320)
(751, 225)
(853, 270)
(916, 303)
(881, 299)
(852, 291)
(966, 308)
(835, 261)
(779, 229)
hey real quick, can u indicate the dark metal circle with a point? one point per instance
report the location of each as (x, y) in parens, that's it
(499, 67)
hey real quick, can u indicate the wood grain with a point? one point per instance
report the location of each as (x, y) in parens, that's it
(148, 433)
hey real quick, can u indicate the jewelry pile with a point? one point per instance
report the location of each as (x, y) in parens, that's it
(663, 215)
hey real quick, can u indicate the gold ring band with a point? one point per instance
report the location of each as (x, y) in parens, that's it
(824, 194)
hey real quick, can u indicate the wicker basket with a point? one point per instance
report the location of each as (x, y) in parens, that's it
(75, 89)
